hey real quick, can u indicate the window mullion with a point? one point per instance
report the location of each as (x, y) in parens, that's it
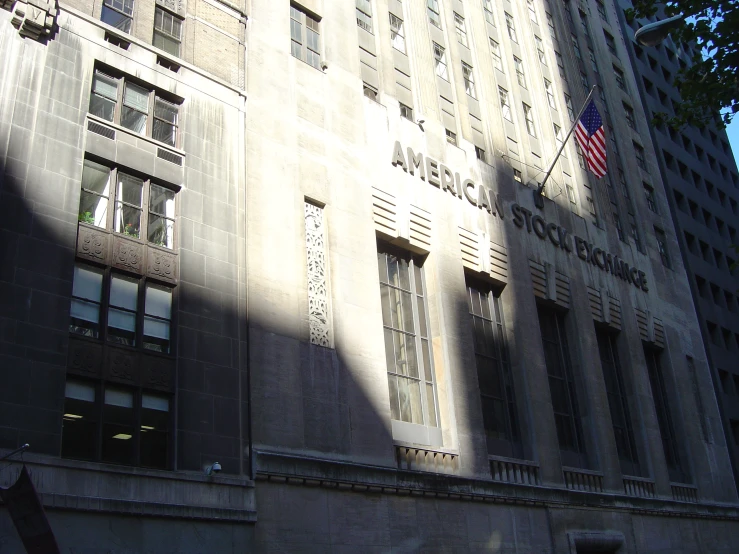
(417, 341)
(100, 406)
(119, 100)
(150, 114)
(140, 309)
(144, 224)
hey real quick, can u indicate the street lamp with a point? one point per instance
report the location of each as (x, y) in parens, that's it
(654, 33)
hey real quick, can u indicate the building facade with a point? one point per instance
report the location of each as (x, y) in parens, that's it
(300, 240)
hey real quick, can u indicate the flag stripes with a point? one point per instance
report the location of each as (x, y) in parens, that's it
(591, 137)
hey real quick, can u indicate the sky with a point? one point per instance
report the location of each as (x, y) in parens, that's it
(733, 132)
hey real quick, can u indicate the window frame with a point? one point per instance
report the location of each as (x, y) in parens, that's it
(528, 116)
(505, 104)
(511, 27)
(540, 50)
(461, 30)
(664, 253)
(165, 34)
(441, 68)
(397, 30)
(469, 80)
(364, 15)
(549, 90)
(520, 73)
(108, 4)
(432, 7)
(306, 22)
(495, 52)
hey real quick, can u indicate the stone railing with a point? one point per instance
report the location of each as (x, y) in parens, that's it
(684, 492)
(508, 470)
(583, 479)
(415, 458)
(639, 486)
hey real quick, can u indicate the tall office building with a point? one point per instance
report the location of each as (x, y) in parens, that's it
(274, 278)
(702, 184)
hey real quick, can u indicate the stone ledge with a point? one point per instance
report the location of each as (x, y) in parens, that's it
(304, 471)
(89, 486)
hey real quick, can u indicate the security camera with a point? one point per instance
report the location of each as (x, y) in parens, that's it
(215, 468)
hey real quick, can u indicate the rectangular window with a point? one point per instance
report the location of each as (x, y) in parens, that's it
(532, 11)
(662, 247)
(576, 46)
(118, 14)
(460, 29)
(510, 25)
(540, 50)
(87, 289)
(618, 403)
(560, 65)
(517, 176)
(550, 94)
(397, 35)
(593, 63)
(140, 109)
(550, 24)
(562, 387)
(529, 117)
(440, 61)
(364, 15)
(619, 227)
(639, 155)
(305, 37)
(601, 7)
(406, 112)
(571, 194)
(369, 91)
(570, 108)
(520, 76)
(451, 138)
(433, 11)
(407, 350)
(494, 377)
(635, 233)
(487, 7)
(651, 200)
(167, 31)
(610, 43)
(131, 198)
(584, 81)
(505, 105)
(629, 113)
(469, 80)
(664, 416)
(495, 51)
(620, 79)
(480, 154)
(558, 135)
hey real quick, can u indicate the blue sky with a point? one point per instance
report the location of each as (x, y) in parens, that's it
(733, 132)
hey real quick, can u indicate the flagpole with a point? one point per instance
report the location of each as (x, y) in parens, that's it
(540, 190)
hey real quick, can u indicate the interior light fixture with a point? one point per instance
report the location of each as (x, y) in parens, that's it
(147, 428)
(122, 436)
(72, 416)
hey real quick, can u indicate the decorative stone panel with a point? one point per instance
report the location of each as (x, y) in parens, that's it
(84, 357)
(122, 365)
(127, 255)
(319, 319)
(92, 244)
(157, 372)
(419, 232)
(498, 262)
(651, 329)
(507, 470)
(470, 249)
(550, 284)
(161, 264)
(605, 308)
(34, 19)
(385, 213)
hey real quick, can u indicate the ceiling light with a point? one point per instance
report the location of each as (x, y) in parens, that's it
(122, 436)
(73, 416)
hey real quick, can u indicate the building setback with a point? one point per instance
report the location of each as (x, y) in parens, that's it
(259, 235)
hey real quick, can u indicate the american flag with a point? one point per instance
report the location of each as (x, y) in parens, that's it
(592, 139)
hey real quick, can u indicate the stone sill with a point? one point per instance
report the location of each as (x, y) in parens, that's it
(92, 486)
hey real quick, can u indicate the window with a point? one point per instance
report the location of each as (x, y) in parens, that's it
(487, 7)
(406, 112)
(576, 46)
(651, 200)
(610, 43)
(118, 14)
(550, 24)
(119, 100)
(369, 91)
(529, 117)
(662, 246)
(619, 226)
(532, 11)
(570, 108)
(550, 94)
(131, 197)
(504, 104)
(495, 51)
(364, 15)
(480, 154)
(517, 176)
(493, 371)
(591, 209)
(584, 81)
(397, 36)
(562, 387)
(618, 403)
(664, 419)
(167, 31)
(305, 37)
(510, 25)
(635, 233)
(407, 351)
(460, 29)
(469, 80)
(620, 80)
(639, 155)
(114, 424)
(584, 23)
(601, 7)
(433, 11)
(571, 194)
(451, 138)
(593, 63)
(629, 113)
(580, 157)
(440, 61)
(558, 135)
(540, 50)
(560, 65)
(603, 100)
(518, 64)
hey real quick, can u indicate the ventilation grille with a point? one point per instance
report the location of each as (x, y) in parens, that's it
(101, 130)
(169, 156)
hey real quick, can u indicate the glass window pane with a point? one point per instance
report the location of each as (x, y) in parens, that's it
(123, 293)
(405, 354)
(119, 397)
(127, 220)
(79, 391)
(431, 406)
(102, 107)
(87, 283)
(423, 331)
(407, 307)
(85, 311)
(136, 97)
(387, 305)
(121, 320)
(118, 426)
(154, 437)
(418, 272)
(79, 422)
(116, 19)
(295, 31)
(155, 402)
(382, 267)
(133, 119)
(105, 86)
(166, 111)
(161, 231)
(130, 189)
(392, 270)
(405, 282)
(96, 178)
(390, 351)
(426, 360)
(164, 132)
(158, 301)
(167, 43)
(312, 37)
(161, 201)
(392, 382)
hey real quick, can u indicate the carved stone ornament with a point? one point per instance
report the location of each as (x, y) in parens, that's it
(158, 372)
(122, 366)
(85, 358)
(161, 265)
(34, 19)
(92, 244)
(318, 308)
(128, 255)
